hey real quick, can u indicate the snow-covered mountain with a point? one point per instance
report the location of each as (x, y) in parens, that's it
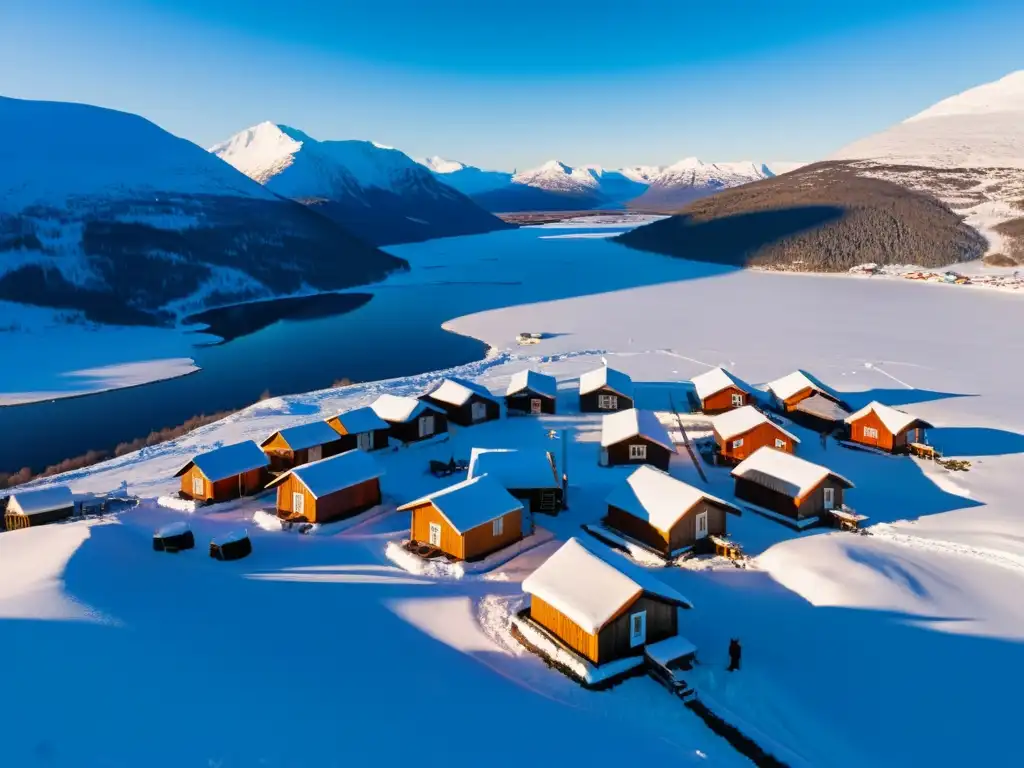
(105, 212)
(467, 179)
(558, 186)
(691, 179)
(379, 193)
(967, 150)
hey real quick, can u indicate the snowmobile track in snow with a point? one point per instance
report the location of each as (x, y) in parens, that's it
(993, 556)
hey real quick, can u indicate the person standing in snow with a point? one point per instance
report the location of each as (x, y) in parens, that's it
(735, 651)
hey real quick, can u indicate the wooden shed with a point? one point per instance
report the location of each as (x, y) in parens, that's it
(886, 428)
(38, 506)
(225, 473)
(330, 489)
(781, 484)
(468, 520)
(740, 432)
(464, 402)
(410, 420)
(605, 389)
(635, 437)
(719, 391)
(807, 401)
(601, 612)
(531, 392)
(529, 474)
(360, 428)
(292, 446)
(664, 513)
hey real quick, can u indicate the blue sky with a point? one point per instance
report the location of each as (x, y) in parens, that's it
(512, 84)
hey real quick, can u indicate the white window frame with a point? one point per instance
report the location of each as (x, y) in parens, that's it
(426, 425)
(780, 443)
(737, 444)
(536, 406)
(637, 628)
(364, 441)
(198, 485)
(497, 526)
(608, 402)
(830, 497)
(637, 451)
(737, 400)
(298, 503)
(870, 433)
(478, 411)
(434, 535)
(700, 525)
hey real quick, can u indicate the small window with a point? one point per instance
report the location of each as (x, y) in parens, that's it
(830, 498)
(737, 444)
(871, 433)
(780, 443)
(608, 402)
(737, 401)
(498, 527)
(197, 486)
(638, 451)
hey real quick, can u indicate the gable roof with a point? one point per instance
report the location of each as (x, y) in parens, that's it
(616, 427)
(334, 473)
(303, 436)
(514, 467)
(823, 408)
(471, 503)
(655, 496)
(457, 391)
(894, 420)
(541, 383)
(714, 381)
(797, 381)
(38, 500)
(401, 409)
(227, 461)
(608, 378)
(784, 472)
(741, 420)
(359, 420)
(589, 590)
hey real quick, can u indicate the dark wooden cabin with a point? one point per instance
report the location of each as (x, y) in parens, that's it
(886, 428)
(410, 420)
(31, 507)
(740, 432)
(531, 392)
(328, 490)
(604, 390)
(360, 428)
(601, 612)
(468, 520)
(529, 474)
(293, 446)
(635, 437)
(808, 402)
(789, 486)
(666, 514)
(464, 402)
(719, 391)
(226, 473)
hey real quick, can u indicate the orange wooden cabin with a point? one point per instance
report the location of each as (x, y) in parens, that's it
(719, 391)
(886, 428)
(740, 432)
(292, 446)
(330, 489)
(226, 473)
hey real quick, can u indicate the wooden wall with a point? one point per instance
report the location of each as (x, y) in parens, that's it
(335, 506)
(463, 414)
(588, 402)
(473, 544)
(425, 514)
(639, 529)
(662, 623)
(810, 505)
(683, 534)
(520, 402)
(348, 442)
(223, 490)
(761, 435)
(564, 628)
(870, 419)
(657, 455)
(722, 401)
(409, 432)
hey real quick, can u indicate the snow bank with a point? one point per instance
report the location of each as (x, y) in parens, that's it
(586, 671)
(396, 553)
(178, 504)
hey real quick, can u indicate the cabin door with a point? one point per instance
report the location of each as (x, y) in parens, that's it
(298, 503)
(604, 457)
(830, 498)
(315, 453)
(426, 426)
(435, 534)
(364, 441)
(702, 525)
(478, 411)
(198, 488)
(535, 406)
(637, 629)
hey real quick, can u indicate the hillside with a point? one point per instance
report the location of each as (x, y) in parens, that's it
(377, 192)
(691, 179)
(823, 217)
(104, 212)
(467, 179)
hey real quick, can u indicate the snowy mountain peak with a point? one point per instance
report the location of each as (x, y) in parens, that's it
(555, 175)
(441, 165)
(1003, 95)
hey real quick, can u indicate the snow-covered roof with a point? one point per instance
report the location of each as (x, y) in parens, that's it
(304, 436)
(470, 503)
(655, 496)
(670, 649)
(895, 421)
(605, 377)
(616, 427)
(741, 420)
(589, 590)
(823, 408)
(398, 409)
(795, 382)
(514, 467)
(228, 460)
(784, 472)
(533, 381)
(334, 473)
(39, 500)
(714, 381)
(172, 529)
(361, 420)
(457, 391)
(231, 537)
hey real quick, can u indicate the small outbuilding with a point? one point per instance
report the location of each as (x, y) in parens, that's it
(789, 487)
(360, 428)
(601, 612)
(174, 537)
(465, 402)
(886, 428)
(38, 506)
(531, 392)
(719, 391)
(410, 420)
(231, 546)
(740, 432)
(330, 489)
(808, 401)
(666, 514)
(225, 473)
(529, 474)
(635, 437)
(292, 446)
(605, 389)
(468, 520)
